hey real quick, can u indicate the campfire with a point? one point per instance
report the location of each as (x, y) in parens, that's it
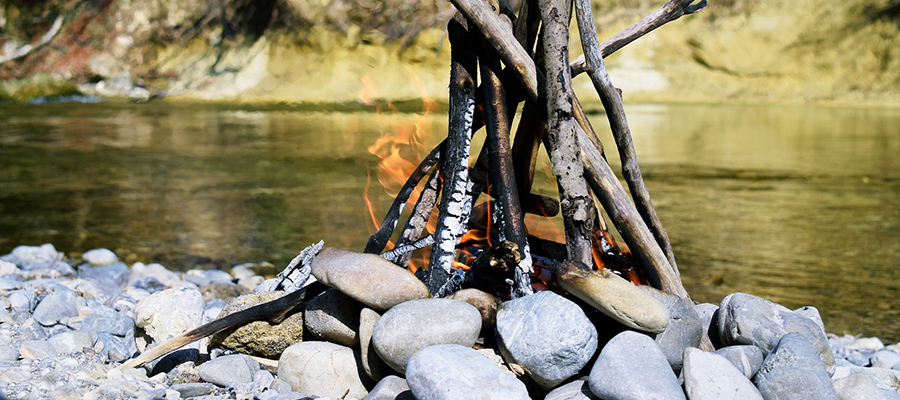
(464, 213)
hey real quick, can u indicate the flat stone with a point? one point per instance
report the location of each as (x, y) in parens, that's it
(115, 348)
(193, 389)
(683, 331)
(71, 342)
(392, 387)
(862, 385)
(746, 358)
(486, 303)
(55, 307)
(632, 367)
(322, 369)
(108, 320)
(372, 364)
(747, 319)
(614, 296)
(169, 313)
(884, 359)
(36, 349)
(259, 338)
(100, 256)
(568, 338)
(578, 389)
(408, 327)
(450, 371)
(334, 317)
(225, 370)
(368, 278)
(794, 370)
(708, 376)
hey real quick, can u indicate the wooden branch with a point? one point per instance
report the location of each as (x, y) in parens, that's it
(563, 146)
(502, 172)
(527, 23)
(455, 204)
(525, 151)
(400, 250)
(417, 221)
(625, 217)
(615, 112)
(380, 238)
(273, 312)
(669, 12)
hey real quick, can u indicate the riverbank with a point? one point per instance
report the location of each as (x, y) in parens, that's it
(736, 51)
(69, 322)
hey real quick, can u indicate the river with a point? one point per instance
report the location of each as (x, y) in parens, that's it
(797, 204)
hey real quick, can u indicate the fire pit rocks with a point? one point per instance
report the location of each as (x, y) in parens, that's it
(66, 331)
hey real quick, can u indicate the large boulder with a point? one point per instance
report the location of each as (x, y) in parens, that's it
(259, 338)
(794, 370)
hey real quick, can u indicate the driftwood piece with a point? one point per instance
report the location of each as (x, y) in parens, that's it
(380, 238)
(669, 12)
(408, 248)
(455, 202)
(273, 312)
(618, 123)
(28, 48)
(564, 149)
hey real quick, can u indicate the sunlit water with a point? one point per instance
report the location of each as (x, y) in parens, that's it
(799, 205)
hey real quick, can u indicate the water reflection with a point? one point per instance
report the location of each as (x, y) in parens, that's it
(795, 204)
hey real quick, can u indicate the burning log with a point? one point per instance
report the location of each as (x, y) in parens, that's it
(455, 204)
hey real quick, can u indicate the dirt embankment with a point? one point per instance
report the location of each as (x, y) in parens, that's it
(345, 50)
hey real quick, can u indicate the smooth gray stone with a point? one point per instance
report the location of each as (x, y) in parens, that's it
(334, 317)
(708, 376)
(101, 256)
(408, 327)
(368, 278)
(322, 369)
(107, 320)
(36, 349)
(632, 367)
(280, 386)
(22, 300)
(486, 303)
(31, 331)
(32, 257)
(709, 322)
(194, 389)
(793, 370)
(747, 319)
(223, 370)
(811, 313)
(746, 358)
(683, 331)
(9, 353)
(391, 387)
(115, 348)
(111, 278)
(884, 359)
(71, 342)
(55, 307)
(372, 364)
(9, 284)
(568, 338)
(862, 385)
(451, 372)
(578, 389)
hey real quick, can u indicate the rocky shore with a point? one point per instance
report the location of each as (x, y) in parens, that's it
(67, 325)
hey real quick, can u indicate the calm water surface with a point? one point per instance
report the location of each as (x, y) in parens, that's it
(799, 205)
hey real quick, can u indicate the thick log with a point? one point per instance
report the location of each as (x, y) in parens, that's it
(618, 123)
(564, 149)
(669, 12)
(455, 201)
